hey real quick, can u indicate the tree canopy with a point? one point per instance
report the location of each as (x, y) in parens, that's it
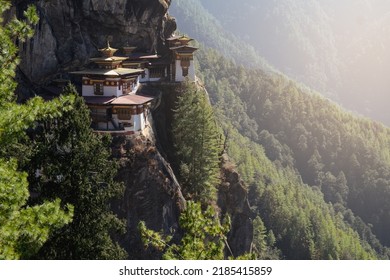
(75, 165)
(23, 229)
(204, 236)
(198, 143)
(284, 138)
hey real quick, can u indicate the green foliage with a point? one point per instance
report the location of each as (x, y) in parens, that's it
(305, 136)
(197, 143)
(23, 229)
(153, 239)
(10, 31)
(304, 222)
(318, 135)
(263, 242)
(75, 165)
(204, 236)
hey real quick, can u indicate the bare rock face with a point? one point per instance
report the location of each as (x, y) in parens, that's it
(233, 200)
(71, 31)
(152, 192)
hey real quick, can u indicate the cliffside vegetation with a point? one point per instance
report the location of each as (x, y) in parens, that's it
(342, 157)
(75, 165)
(204, 236)
(197, 142)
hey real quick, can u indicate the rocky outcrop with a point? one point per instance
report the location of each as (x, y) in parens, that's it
(152, 192)
(233, 200)
(71, 31)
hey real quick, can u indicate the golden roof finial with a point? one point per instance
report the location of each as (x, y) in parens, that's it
(108, 51)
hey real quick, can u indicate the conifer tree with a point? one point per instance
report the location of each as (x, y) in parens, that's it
(197, 142)
(263, 242)
(204, 236)
(23, 229)
(75, 165)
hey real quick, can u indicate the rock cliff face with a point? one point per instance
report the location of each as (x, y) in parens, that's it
(152, 192)
(233, 200)
(71, 31)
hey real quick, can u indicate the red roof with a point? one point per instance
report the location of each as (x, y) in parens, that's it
(121, 100)
(131, 100)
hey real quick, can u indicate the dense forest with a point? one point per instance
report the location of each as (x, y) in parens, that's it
(342, 157)
(310, 140)
(314, 172)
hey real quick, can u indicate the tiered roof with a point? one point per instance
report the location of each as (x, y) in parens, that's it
(182, 40)
(109, 65)
(180, 45)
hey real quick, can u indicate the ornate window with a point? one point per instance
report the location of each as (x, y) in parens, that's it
(98, 88)
(185, 65)
(124, 87)
(123, 113)
(127, 86)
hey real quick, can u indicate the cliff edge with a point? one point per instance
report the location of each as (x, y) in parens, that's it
(70, 32)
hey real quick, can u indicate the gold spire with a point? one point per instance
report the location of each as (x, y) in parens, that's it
(108, 51)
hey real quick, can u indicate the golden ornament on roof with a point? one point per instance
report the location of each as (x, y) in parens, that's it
(108, 51)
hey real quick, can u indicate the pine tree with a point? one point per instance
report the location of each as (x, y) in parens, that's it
(204, 236)
(259, 237)
(197, 142)
(23, 229)
(75, 165)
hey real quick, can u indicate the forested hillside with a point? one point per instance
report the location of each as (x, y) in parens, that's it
(290, 219)
(336, 47)
(342, 157)
(310, 140)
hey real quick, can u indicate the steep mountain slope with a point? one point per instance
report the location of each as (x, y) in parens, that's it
(68, 34)
(344, 157)
(335, 47)
(295, 37)
(196, 21)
